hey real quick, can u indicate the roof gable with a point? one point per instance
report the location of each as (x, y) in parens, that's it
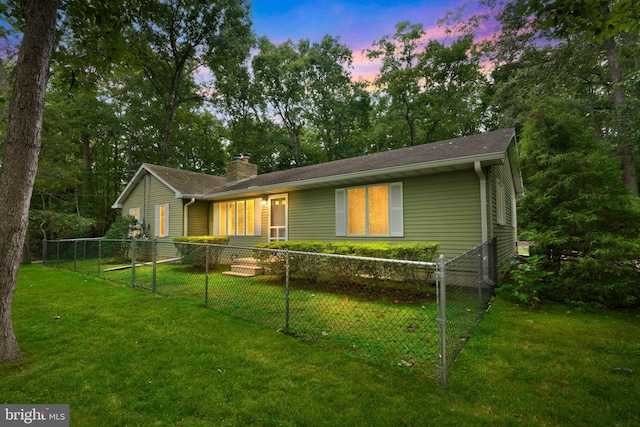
(182, 183)
(186, 183)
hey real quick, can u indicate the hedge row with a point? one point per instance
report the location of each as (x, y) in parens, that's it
(425, 251)
(196, 255)
(313, 268)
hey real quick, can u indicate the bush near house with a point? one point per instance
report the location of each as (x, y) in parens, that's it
(120, 234)
(346, 271)
(196, 255)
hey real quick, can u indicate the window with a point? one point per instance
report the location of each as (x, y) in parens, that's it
(374, 210)
(135, 212)
(500, 205)
(162, 220)
(239, 218)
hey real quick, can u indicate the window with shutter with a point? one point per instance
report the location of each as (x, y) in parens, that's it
(373, 210)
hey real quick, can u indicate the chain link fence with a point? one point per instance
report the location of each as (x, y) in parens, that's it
(466, 284)
(384, 311)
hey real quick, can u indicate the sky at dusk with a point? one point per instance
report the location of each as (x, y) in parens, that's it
(358, 23)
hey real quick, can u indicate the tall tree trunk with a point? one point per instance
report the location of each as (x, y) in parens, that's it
(20, 156)
(629, 178)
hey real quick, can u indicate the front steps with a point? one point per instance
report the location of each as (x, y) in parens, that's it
(245, 267)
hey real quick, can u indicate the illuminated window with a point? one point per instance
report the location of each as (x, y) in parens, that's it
(162, 220)
(374, 210)
(236, 218)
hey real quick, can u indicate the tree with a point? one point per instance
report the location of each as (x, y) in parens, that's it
(234, 91)
(609, 23)
(335, 104)
(435, 87)
(171, 40)
(583, 220)
(20, 153)
(400, 72)
(280, 75)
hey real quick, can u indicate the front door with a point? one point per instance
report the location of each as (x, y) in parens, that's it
(278, 218)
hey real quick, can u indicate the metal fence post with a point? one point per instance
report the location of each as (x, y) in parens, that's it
(206, 276)
(286, 328)
(442, 285)
(99, 255)
(75, 256)
(57, 253)
(154, 258)
(133, 262)
(44, 251)
(481, 262)
(494, 260)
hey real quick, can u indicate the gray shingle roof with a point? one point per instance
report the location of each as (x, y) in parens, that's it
(469, 147)
(490, 148)
(186, 182)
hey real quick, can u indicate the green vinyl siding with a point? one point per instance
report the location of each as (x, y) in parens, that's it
(312, 215)
(147, 194)
(197, 217)
(136, 200)
(506, 233)
(442, 208)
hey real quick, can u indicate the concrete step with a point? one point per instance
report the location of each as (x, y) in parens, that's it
(237, 274)
(245, 267)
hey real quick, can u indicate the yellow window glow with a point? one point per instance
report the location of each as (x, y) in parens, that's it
(378, 209)
(356, 211)
(251, 217)
(162, 231)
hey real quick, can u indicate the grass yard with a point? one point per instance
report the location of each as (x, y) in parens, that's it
(121, 356)
(374, 328)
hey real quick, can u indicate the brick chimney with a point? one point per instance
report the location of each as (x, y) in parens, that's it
(240, 168)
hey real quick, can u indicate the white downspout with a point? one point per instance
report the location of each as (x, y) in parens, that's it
(483, 200)
(186, 216)
(483, 215)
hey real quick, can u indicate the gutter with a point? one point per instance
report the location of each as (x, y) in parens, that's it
(185, 216)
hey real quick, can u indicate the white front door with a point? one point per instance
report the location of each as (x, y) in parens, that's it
(278, 217)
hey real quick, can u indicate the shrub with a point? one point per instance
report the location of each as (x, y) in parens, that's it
(54, 225)
(346, 271)
(120, 230)
(524, 279)
(193, 250)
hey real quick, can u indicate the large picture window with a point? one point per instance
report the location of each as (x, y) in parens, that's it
(237, 218)
(373, 210)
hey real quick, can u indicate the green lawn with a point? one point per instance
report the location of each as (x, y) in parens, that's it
(377, 328)
(121, 356)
